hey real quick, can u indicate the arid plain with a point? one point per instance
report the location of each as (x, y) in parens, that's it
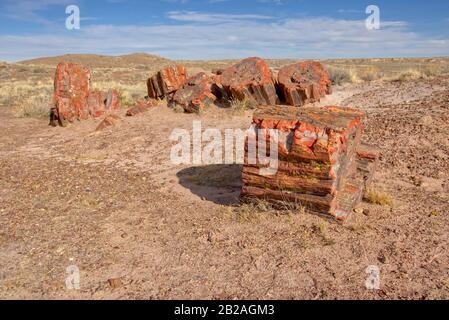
(137, 226)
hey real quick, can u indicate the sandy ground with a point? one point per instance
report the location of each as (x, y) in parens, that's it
(112, 204)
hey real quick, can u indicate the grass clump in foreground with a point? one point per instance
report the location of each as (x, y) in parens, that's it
(378, 197)
(36, 106)
(254, 209)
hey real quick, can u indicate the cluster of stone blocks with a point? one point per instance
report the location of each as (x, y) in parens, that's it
(250, 80)
(322, 163)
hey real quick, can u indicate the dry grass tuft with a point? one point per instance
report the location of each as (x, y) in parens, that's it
(33, 107)
(177, 108)
(370, 73)
(26, 99)
(410, 74)
(239, 106)
(341, 76)
(252, 209)
(378, 197)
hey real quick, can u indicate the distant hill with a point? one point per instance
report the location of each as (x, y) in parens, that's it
(98, 61)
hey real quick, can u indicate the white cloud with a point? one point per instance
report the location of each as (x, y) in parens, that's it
(28, 10)
(350, 11)
(214, 36)
(192, 16)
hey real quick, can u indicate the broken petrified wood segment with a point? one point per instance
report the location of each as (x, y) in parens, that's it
(166, 82)
(112, 100)
(196, 94)
(109, 121)
(251, 80)
(358, 182)
(304, 82)
(96, 103)
(142, 105)
(72, 86)
(73, 99)
(320, 160)
(99, 102)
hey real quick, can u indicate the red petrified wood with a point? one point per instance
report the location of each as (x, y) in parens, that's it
(73, 99)
(99, 102)
(304, 82)
(196, 94)
(166, 82)
(72, 86)
(112, 101)
(96, 103)
(109, 121)
(321, 164)
(142, 105)
(250, 80)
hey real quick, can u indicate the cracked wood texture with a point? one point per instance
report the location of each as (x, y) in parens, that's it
(321, 162)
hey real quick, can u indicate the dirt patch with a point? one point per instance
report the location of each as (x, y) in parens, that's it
(112, 204)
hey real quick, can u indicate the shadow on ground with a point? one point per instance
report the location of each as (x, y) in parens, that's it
(220, 184)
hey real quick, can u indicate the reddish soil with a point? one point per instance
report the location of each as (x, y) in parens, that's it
(112, 203)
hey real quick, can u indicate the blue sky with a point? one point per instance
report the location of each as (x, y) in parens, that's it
(220, 29)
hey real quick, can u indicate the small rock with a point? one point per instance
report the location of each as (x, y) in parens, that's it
(426, 120)
(358, 210)
(431, 185)
(382, 258)
(115, 283)
(109, 121)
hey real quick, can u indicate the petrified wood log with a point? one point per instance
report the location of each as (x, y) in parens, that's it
(108, 121)
(321, 163)
(72, 86)
(304, 82)
(196, 94)
(96, 103)
(141, 106)
(251, 80)
(73, 99)
(166, 82)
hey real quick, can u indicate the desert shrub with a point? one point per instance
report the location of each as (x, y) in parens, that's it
(410, 74)
(37, 106)
(27, 99)
(340, 76)
(432, 70)
(369, 74)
